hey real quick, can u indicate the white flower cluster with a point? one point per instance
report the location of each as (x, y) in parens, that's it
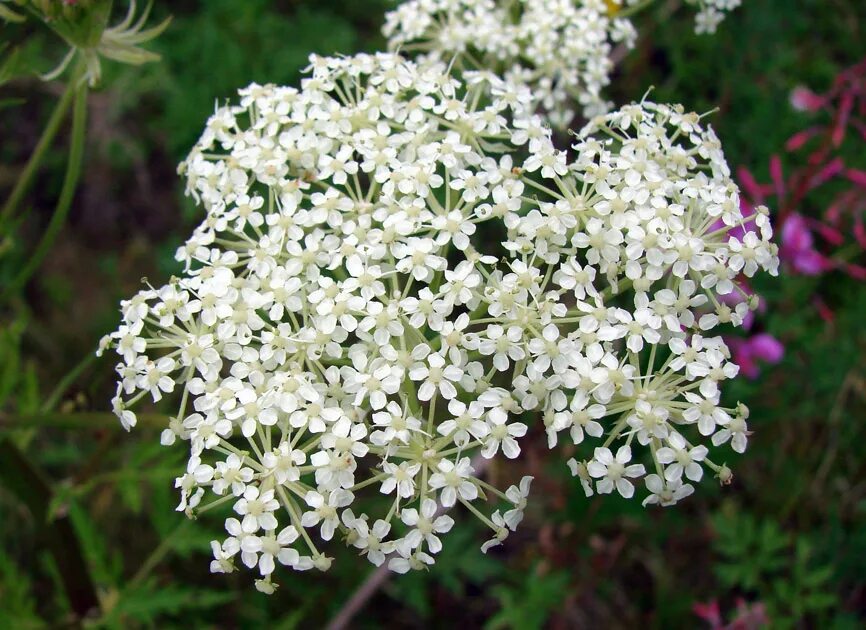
(711, 13)
(398, 273)
(560, 50)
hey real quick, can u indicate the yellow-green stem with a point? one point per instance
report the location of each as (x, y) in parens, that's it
(67, 193)
(22, 185)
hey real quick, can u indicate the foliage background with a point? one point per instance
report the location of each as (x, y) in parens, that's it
(788, 534)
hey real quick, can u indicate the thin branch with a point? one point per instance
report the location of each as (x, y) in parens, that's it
(92, 420)
(64, 384)
(25, 179)
(67, 193)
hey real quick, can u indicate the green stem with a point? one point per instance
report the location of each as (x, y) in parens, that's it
(52, 400)
(45, 140)
(76, 421)
(155, 557)
(70, 183)
(636, 8)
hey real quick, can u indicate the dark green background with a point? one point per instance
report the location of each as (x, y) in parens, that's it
(789, 532)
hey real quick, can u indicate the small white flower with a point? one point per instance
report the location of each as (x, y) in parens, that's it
(582, 417)
(405, 561)
(614, 471)
(517, 495)
(579, 470)
(257, 509)
(222, 553)
(664, 492)
(500, 533)
(401, 478)
(371, 540)
(426, 525)
(502, 434)
(681, 459)
(454, 481)
(435, 375)
(736, 431)
(283, 462)
(232, 474)
(325, 510)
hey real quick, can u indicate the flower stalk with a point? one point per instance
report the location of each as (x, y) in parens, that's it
(67, 193)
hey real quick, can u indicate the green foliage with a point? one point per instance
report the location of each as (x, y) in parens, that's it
(797, 544)
(9, 58)
(152, 604)
(19, 608)
(748, 68)
(19, 386)
(527, 604)
(804, 591)
(750, 549)
(106, 564)
(760, 559)
(241, 42)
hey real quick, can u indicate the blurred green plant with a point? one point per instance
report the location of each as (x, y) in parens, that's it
(248, 42)
(16, 593)
(759, 559)
(19, 386)
(750, 549)
(639, 568)
(83, 27)
(527, 604)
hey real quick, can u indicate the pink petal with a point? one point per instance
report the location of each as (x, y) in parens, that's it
(824, 311)
(766, 347)
(802, 137)
(828, 233)
(845, 108)
(858, 272)
(804, 99)
(860, 232)
(750, 185)
(810, 263)
(828, 172)
(776, 174)
(857, 176)
(795, 234)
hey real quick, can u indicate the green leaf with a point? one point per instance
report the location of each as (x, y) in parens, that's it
(527, 606)
(18, 608)
(153, 602)
(9, 15)
(818, 577)
(10, 66)
(819, 601)
(106, 564)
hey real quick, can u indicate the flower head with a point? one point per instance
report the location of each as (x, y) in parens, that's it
(560, 53)
(358, 333)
